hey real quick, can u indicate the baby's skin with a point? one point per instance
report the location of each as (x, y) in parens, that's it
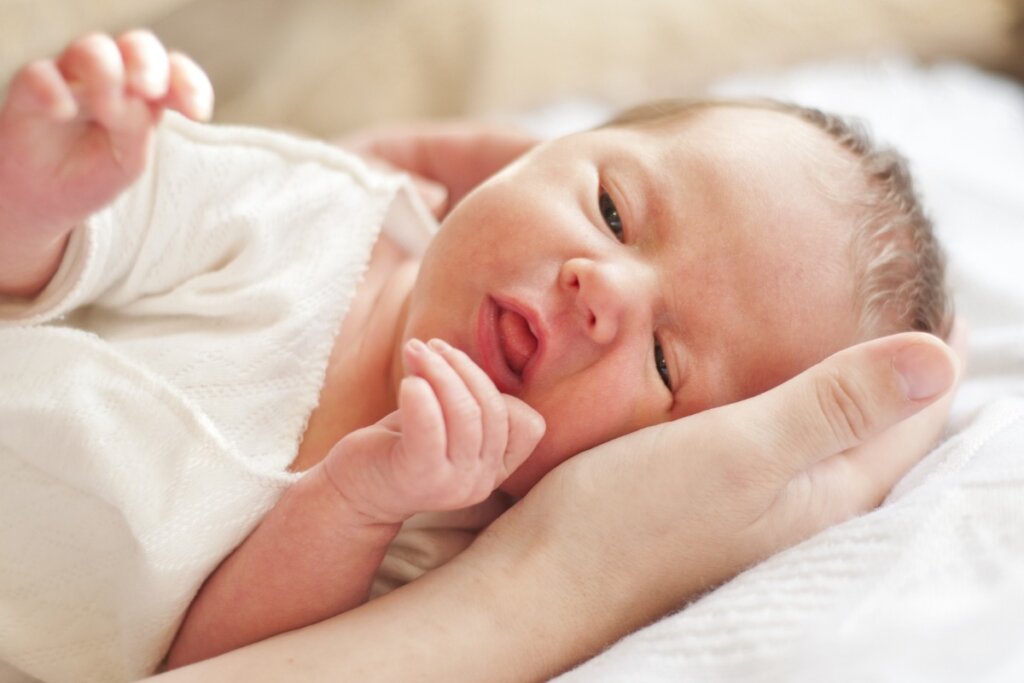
(75, 132)
(690, 298)
(79, 129)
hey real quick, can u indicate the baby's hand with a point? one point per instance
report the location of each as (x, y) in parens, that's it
(75, 131)
(453, 440)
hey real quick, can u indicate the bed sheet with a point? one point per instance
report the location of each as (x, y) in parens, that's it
(930, 586)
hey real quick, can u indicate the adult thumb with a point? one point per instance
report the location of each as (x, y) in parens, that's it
(852, 396)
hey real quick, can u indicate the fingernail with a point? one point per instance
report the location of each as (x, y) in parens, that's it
(924, 369)
(416, 346)
(438, 344)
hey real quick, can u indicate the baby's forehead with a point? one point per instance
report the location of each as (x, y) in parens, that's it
(746, 127)
(726, 136)
(744, 167)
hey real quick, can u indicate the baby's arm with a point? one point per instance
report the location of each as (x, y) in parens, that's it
(452, 441)
(74, 133)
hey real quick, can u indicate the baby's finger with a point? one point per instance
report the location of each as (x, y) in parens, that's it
(494, 413)
(39, 88)
(190, 92)
(462, 413)
(93, 68)
(423, 430)
(391, 422)
(525, 428)
(147, 66)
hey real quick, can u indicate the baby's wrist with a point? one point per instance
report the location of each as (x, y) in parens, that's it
(353, 508)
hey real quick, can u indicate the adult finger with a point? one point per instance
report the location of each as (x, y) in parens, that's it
(434, 195)
(457, 154)
(876, 465)
(848, 398)
(958, 341)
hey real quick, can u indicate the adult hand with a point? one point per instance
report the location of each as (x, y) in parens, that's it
(445, 160)
(630, 530)
(653, 520)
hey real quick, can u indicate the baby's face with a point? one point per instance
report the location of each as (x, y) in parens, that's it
(619, 278)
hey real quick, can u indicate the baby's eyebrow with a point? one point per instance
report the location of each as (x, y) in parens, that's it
(649, 202)
(654, 194)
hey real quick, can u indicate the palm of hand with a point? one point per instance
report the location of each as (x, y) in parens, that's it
(385, 480)
(81, 163)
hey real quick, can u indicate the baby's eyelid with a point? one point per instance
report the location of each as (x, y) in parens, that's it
(623, 204)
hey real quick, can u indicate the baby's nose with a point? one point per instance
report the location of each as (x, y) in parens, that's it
(600, 293)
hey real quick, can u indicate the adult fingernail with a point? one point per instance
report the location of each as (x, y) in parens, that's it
(433, 195)
(925, 370)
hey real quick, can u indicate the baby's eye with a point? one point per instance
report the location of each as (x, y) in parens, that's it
(610, 214)
(662, 365)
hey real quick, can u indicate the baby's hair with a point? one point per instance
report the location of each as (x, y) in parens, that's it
(899, 264)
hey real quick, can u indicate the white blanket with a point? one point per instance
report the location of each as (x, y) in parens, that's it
(929, 587)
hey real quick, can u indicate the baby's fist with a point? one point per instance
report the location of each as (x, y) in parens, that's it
(75, 130)
(454, 439)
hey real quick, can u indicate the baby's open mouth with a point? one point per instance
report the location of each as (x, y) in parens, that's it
(517, 341)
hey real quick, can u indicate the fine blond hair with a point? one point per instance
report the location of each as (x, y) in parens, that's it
(898, 263)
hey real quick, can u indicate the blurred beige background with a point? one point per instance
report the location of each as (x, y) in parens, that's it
(326, 67)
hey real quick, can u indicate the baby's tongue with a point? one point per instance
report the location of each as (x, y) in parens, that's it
(517, 342)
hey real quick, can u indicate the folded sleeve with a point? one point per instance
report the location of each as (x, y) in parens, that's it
(206, 204)
(98, 252)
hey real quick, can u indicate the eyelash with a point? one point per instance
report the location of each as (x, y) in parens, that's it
(613, 220)
(610, 215)
(662, 365)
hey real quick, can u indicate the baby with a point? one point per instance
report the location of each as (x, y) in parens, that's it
(683, 256)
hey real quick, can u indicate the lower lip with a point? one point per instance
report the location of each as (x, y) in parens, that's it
(492, 357)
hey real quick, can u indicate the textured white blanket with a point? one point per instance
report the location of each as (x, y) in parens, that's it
(929, 587)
